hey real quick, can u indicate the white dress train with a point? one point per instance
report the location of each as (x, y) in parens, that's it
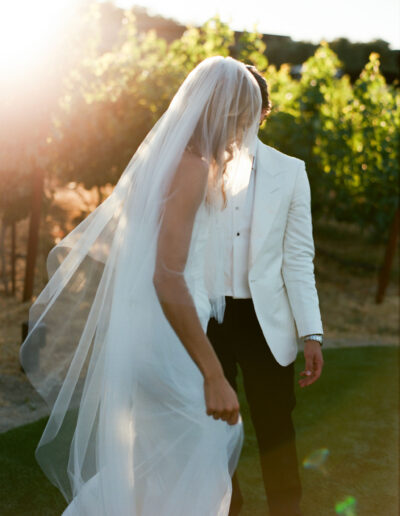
(161, 454)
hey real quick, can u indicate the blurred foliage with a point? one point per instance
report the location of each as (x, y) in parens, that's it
(347, 133)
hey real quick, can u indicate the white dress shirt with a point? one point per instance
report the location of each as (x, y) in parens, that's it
(237, 222)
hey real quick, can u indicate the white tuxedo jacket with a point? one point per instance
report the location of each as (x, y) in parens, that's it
(281, 269)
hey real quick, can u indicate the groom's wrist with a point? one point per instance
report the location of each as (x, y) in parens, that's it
(318, 337)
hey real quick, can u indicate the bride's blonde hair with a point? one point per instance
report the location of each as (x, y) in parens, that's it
(224, 130)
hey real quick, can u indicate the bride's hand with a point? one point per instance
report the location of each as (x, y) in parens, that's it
(221, 399)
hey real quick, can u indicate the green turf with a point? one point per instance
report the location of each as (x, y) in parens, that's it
(352, 411)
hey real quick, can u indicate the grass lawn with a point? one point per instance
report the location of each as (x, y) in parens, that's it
(352, 411)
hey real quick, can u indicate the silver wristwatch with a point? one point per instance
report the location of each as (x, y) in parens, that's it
(315, 336)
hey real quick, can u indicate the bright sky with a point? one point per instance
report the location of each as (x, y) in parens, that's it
(310, 20)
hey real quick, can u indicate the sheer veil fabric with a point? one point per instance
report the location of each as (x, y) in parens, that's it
(128, 432)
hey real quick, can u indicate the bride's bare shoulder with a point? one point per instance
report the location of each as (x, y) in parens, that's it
(193, 161)
(189, 182)
(191, 173)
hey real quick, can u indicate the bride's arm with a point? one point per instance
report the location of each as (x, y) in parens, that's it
(185, 195)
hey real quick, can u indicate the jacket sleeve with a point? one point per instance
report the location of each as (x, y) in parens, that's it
(298, 256)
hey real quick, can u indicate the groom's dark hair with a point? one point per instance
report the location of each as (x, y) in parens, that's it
(262, 83)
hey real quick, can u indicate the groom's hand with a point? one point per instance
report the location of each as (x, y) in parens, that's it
(314, 363)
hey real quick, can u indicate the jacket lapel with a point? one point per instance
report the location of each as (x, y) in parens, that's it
(267, 198)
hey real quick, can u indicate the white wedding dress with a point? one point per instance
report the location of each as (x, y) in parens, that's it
(162, 456)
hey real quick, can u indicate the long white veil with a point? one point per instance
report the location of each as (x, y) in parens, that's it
(94, 327)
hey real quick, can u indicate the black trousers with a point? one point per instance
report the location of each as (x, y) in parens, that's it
(269, 389)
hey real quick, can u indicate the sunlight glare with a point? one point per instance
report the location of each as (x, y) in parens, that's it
(27, 29)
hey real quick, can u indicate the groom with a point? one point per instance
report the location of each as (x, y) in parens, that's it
(271, 299)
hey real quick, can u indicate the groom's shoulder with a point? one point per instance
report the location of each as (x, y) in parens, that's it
(284, 159)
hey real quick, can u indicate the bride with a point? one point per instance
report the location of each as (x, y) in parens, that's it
(142, 420)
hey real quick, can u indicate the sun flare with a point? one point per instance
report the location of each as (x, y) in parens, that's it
(27, 30)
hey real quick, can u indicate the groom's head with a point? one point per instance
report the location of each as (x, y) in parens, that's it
(262, 83)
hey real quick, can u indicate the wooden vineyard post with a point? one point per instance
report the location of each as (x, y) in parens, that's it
(33, 237)
(13, 255)
(390, 251)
